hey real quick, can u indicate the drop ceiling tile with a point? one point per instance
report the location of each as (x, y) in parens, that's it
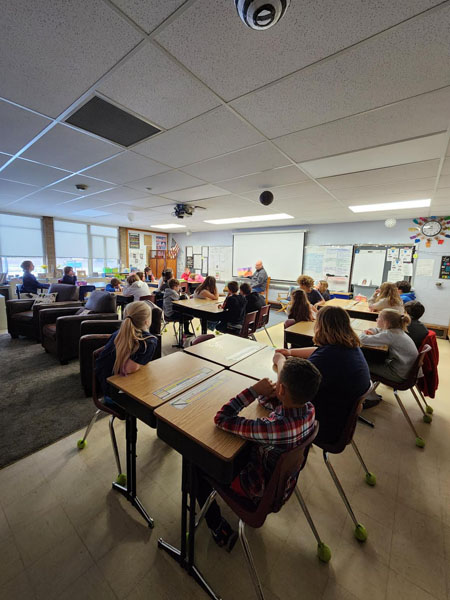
(366, 76)
(118, 194)
(303, 207)
(145, 16)
(197, 193)
(94, 185)
(25, 171)
(165, 182)
(232, 59)
(18, 126)
(148, 202)
(442, 194)
(209, 135)
(308, 189)
(230, 206)
(397, 197)
(242, 162)
(4, 158)
(415, 117)
(381, 191)
(52, 62)
(11, 190)
(421, 149)
(154, 86)
(128, 166)
(265, 180)
(415, 170)
(48, 198)
(444, 181)
(446, 167)
(70, 149)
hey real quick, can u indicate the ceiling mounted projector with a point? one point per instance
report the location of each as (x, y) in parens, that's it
(183, 210)
(261, 14)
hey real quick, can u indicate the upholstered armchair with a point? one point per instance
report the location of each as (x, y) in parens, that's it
(23, 315)
(60, 327)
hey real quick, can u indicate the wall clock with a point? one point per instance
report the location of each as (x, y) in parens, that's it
(431, 228)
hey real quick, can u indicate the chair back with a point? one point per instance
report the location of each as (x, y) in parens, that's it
(249, 324)
(149, 298)
(347, 432)
(184, 286)
(263, 316)
(266, 291)
(97, 392)
(202, 338)
(66, 292)
(101, 302)
(289, 323)
(411, 380)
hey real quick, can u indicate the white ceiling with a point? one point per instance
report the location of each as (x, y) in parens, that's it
(340, 103)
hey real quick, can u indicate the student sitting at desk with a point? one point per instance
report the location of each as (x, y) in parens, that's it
(163, 282)
(253, 300)
(113, 285)
(234, 309)
(416, 329)
(186, 274)
(344, 370)
(128, 348)
(30, 284)
(322, 288)
(386, 296)
(69, 277)
(306, 283)
(171, 293)
(196, 278)
(301, 309)
(404, 288)
(135, 287)
(290, 421)
(208, 289)
(148, 275)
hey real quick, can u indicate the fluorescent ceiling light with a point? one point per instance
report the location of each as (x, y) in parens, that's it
(90, 212)
(169, 226)
(391, 205)
(276, 217)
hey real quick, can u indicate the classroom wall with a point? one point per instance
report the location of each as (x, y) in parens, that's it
(436, 299)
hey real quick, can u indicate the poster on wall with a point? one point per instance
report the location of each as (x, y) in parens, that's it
(161, 242)
(445, 268)
(134, 240)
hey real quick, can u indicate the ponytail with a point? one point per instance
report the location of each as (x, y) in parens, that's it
(394, 319)
(130, 333)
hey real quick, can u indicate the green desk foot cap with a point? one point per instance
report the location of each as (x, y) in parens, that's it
(427, 418)
(323, 552)
(81, 444)
(429, 409)
(121, 479)
(165, 330)
(360, 533)
(420, 442)
(371, 478)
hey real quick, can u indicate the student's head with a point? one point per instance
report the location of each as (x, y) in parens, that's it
(322, 286)
(115, 282)
(137, 317)
(68, 271)
(300, 308)
(132, 278)
(167, 274)
(415, 309)
(390, 291)
(233, 287)
(27, 265)
(403, 286)
(333, 327)
(298, 381)
(258, 265)
(305, 282)
(209, 284)
(187, 270)
(390, 318)
(141, 275)
(173, 284)
(147, 271)
(133, 269)
(245, 289)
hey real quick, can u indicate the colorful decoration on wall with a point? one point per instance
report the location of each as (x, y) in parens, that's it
(429, 229)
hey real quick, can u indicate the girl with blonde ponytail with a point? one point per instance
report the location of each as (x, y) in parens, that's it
(129, 347)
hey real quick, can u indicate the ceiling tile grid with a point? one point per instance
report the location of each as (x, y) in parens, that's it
(264, 180)
(165, 182)
(18, 126)
(26, 171)
(144, 16)
(125, 167)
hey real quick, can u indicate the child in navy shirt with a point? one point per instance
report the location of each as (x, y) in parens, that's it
(69, 277)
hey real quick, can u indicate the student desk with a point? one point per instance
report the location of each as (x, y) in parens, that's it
(187, 425)
(203, 308)
(142, 392)
(258, 365)
(225, 350)
(355, 308)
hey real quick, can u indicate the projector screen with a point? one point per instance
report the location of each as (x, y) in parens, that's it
(280, 251)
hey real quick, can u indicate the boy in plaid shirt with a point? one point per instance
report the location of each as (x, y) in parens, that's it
(290, 421)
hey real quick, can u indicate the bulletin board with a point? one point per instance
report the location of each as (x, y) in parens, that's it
(332, 263)
(373, 264)
(220, 261)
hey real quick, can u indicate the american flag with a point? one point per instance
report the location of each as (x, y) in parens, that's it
(173, 252)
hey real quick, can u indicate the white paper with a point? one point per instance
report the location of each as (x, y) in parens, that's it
(407, 269)
(188, 251)
(204, 265)
(406, 254)
(197, 249)
(425, 267)
(197, 261)
(397, 267)
(205, 251)
(392, 253)
(392, 276)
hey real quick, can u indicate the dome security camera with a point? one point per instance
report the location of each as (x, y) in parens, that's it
(261, 14)
(266, 198)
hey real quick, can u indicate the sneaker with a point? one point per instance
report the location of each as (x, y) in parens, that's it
(371, 402)
(225, 536)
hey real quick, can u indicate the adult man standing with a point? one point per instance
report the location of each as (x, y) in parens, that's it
(259, 278)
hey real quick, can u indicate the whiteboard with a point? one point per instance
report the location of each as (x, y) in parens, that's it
(368, 267)
(332, 263)
(219, 265)
(280, 251)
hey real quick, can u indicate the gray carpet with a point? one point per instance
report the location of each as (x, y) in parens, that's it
(276, 317)
(40, 400)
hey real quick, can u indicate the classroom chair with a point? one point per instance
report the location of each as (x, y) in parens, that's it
(408, 384)
(248, 327)
(288, 468)
(112, 410)
(262, 320)
(266, 291)
(285, 299)
(429, 382)
(344, 438)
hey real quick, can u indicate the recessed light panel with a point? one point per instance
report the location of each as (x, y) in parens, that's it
(391, 206)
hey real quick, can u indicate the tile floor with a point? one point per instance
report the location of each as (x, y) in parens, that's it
(64, 534)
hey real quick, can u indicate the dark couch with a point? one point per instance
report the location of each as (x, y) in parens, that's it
(23, 317)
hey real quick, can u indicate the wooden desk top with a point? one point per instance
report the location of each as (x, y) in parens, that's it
(204, 304)
(258, 365)
(164, 378)
(225, 350)
(192, 413)
(302, 328)
(354, 305)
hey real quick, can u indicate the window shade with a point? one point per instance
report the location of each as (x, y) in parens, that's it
(20, 236)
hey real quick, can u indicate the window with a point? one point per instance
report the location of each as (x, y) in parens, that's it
(20, 239)
(91, 248)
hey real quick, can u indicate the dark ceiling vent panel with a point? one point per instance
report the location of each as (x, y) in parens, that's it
(112, 123)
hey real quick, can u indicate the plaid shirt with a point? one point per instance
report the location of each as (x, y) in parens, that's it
(282, 430)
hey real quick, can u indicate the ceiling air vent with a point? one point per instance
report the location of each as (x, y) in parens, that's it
(112, 123)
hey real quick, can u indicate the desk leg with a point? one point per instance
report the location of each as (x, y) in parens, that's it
(185, 556)
(204, 323)
(366, 421)
(130, 490)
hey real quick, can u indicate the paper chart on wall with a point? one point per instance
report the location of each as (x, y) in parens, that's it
(197, 261)
(425, 267)
(392, 253)
(329, 262)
